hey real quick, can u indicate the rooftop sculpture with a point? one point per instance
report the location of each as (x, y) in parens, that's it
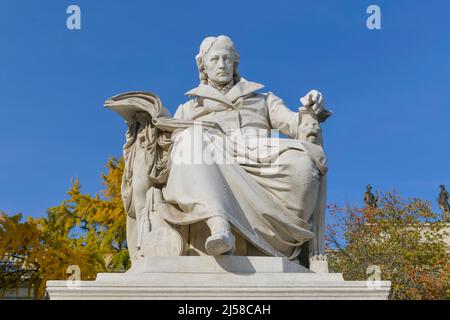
(443, 203)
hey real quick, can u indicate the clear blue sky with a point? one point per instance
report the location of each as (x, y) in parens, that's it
(389, 88)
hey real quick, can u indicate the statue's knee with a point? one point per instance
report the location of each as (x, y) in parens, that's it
(302, 168)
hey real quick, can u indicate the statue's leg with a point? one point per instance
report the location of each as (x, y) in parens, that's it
(221, 239)
(447, 214)
(198, 187)
(307, 186)
(295, 183)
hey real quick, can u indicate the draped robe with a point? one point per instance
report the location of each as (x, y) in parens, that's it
(271, 190)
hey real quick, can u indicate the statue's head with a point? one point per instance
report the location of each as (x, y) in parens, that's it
(369, 187)
(217, 61)
(309, 128)
(442, 187)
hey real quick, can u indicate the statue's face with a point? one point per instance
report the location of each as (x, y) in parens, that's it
(219, 63)
(309, 129)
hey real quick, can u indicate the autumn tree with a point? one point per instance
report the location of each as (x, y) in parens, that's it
(403, 238)
(98, 221)
(84, 230)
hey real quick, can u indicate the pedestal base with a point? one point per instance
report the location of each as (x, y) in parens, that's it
(223, 277)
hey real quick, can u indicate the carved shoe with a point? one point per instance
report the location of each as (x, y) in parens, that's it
(220, 243)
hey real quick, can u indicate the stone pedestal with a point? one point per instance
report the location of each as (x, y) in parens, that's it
(222, 277)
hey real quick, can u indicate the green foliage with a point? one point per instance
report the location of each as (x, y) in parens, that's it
(84, 230)
(402, 237)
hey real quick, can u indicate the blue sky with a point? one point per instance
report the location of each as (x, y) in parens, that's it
(389, 88)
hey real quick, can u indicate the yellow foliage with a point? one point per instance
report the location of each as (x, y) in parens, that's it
(84, 230)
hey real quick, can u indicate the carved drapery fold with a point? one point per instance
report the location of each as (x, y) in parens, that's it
(150, 127)
(141, 112)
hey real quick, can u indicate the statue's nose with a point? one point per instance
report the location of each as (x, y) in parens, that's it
(221, 62)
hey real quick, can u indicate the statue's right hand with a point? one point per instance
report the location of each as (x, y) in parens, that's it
(314, 100)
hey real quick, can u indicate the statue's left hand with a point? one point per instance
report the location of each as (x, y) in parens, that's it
(313, 99)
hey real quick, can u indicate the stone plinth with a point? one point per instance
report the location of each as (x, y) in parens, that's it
(223, 277)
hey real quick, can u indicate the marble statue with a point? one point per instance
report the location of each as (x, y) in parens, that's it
(214, 179)
(369, 198)
(443, 203)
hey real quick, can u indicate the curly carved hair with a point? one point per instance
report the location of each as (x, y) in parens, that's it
(205, 46)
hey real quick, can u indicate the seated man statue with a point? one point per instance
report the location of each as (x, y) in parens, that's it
(217, 162)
